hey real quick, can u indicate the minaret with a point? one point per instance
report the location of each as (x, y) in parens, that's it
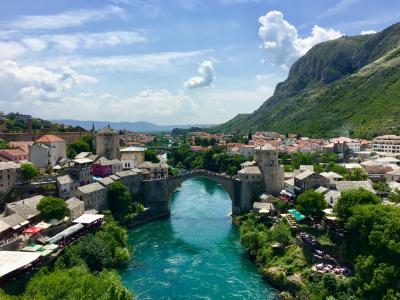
(93, 133)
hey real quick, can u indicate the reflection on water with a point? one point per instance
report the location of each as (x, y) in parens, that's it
(194, 254)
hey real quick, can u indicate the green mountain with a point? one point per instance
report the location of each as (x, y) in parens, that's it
(348, 85)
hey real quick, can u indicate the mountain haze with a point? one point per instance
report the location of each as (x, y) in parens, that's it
(350, 85)
(140, 126)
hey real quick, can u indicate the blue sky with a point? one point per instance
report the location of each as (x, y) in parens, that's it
(164, 61)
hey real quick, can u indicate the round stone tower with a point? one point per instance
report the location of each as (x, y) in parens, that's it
(273, 174)
(107, 143)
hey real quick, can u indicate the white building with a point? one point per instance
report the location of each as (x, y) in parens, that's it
(66, 185)
(386, 143)
(47, 150)
(132, 157)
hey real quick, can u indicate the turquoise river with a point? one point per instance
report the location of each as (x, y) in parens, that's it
(194, 254)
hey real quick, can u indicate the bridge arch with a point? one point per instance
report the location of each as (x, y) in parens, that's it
(157, 193)
(227, 182)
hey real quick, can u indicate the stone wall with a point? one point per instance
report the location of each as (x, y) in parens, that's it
(68, 137)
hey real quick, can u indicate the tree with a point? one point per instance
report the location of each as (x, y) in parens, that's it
(353, 197)
(356, 174)
(77, 147)
(4, 144)
(299, 158)
(29, 171)
(119, 200)
(76, 283)
(52, 208)
(394, 196)
(381, 187)
(250, 136)
(281, 233)
(151, 155)
(197, 141)
(311, 203)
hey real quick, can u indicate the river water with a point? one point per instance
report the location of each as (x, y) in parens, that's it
(194, 254)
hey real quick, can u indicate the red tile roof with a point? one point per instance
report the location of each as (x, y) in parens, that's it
(14, 152)
(49, 138)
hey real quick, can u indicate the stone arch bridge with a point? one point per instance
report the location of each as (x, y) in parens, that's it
(157, 192)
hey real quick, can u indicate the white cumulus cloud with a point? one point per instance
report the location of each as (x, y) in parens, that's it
(29, 82)
(205, 78)
(281, 39)
(160, 106)
(365, 32)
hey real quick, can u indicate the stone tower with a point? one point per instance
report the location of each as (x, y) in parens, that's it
(267, 159)
(107, 143)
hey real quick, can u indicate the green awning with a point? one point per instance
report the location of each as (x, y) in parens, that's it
(296, 214)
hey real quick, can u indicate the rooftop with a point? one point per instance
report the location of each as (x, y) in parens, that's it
(88, 218)
(387, 137)
(106, 180)
(14, 220)
(49, 138)
(124, 173)
(83, 155)
(83, 160)
(66, 179)
(148, 164)
(4, 226)
(26, 208)
(90, 188)
(304, 175)
(250, 170)
(8, 165)
(11, 261)
(332, 175)
(73, 202)
(346, 185)
(133, 149)
(248, 163)
(14, 151)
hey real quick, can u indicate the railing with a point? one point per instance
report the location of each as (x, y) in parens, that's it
(194, 172)
(203, 172)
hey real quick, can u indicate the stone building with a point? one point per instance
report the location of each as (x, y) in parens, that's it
(93, 195)
(107, 143)
(25, 208)
(9, 176)
(76, 207)
(131, 179)
(252, 185)
(273, 174)
(310, 180)
(155, 170)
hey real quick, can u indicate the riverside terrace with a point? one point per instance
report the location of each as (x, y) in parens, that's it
(39, 249)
